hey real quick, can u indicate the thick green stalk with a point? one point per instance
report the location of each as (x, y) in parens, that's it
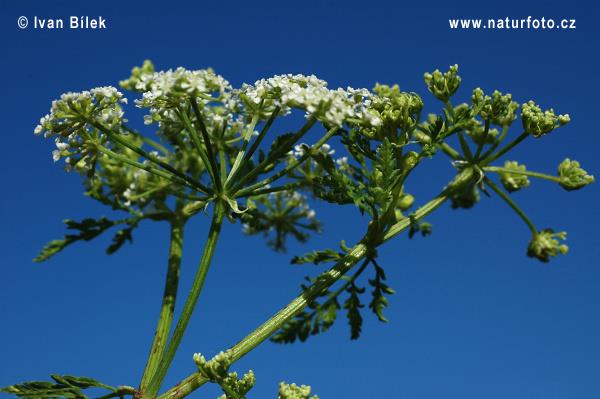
(165, 318)
(190, 302)
(325, 280)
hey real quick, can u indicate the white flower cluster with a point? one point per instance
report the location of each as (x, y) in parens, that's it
(167, 89)
(70, 115)
(332, 107)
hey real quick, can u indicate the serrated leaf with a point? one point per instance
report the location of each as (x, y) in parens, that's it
(353, 305)
(119, 239)
(88, 229)
(316, 257)
(64, 386)
(379, 302)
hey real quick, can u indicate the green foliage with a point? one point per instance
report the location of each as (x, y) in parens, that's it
(323, 314)
(207, 156)
(88, 229)
(316, 257)
(379, 302)
(353, 306)
(64, 386)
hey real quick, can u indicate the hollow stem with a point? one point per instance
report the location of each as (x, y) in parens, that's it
(323, 282)
(191, 300)
(165, 318)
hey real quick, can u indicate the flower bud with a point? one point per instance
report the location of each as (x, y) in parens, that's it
(514, 181)
(537, 122)
(546, 244)
(443, 85)
(572, 176)
(499, 109)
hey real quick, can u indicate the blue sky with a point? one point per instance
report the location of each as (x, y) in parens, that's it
(473, 316)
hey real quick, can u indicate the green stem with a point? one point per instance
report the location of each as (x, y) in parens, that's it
(260, 137)
(248, 190)
(480, 146)
(497, 143)
(124, 142)
(191, 300)
(120, 392)
(155, 144)
(139, 165)
(544, 176)
(506, 149)
(260, 167)
(238, 163)
(323, 282)
(165, 318)
(512, 204)
(197, 143)
(285, 187)
(207, 143)
(465, 146)
(448, 150)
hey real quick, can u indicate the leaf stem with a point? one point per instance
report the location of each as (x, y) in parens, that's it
(191, 300)
(168, 303)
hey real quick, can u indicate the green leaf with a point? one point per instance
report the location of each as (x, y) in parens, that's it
(379, 302)
(316, 257)
(119, 239)
(64, 386)
(353, 305)
(88, 229)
